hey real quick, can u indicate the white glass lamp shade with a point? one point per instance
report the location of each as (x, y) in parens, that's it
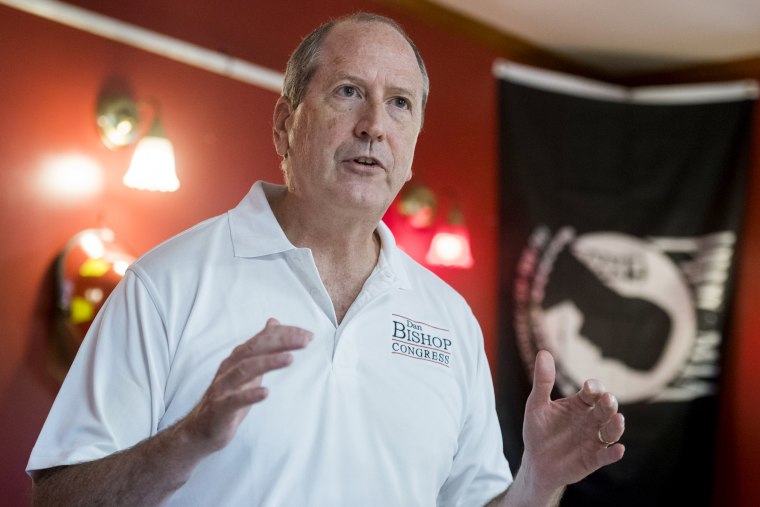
(451, 247)
(152, 166)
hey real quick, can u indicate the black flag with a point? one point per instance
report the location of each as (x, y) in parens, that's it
(620, 218)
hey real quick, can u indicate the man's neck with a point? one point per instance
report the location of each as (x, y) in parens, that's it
(345, 248)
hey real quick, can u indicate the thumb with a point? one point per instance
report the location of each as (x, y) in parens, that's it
(271, 322)
(543, 378)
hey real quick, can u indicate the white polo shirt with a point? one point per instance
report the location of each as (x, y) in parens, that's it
(393, 407)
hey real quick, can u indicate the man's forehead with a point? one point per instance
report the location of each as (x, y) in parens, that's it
(351, 44)
(358, 32)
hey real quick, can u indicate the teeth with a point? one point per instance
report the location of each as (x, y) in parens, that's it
(365, 160)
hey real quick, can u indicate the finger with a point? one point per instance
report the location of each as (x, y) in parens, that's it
(239, 372)
(613, 430)
(591, 391)
(276, 338)
(271, 322)
(250, 395)
(245, 397)
(606, 406)
(609, 455)
(543, 378)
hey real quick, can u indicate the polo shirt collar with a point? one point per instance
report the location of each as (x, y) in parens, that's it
(390, 260)
(253, 226)
(255, 232)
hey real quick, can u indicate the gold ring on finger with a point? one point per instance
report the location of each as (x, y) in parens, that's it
(602, 440)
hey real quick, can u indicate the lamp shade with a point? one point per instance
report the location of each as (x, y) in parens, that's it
(152, 166)
(450, 247)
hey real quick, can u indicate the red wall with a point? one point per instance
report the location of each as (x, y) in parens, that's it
(221, 129)
(738, 459)
(51, 77)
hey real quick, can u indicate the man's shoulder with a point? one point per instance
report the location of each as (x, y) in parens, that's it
(200, 243)
(206, 240)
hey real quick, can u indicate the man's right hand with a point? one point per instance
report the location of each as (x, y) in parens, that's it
(149, 472)
(237, 384)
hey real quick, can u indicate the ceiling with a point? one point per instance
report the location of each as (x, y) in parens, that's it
(625, 37)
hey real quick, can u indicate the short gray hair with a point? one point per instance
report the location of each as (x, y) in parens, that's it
(304, 60)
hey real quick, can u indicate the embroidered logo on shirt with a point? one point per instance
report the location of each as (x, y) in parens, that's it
(419, 340)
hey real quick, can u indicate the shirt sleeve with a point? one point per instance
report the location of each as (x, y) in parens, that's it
(112, 397)
(480, 471)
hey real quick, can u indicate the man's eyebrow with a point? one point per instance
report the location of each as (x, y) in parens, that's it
(400, 90)
(349, 77)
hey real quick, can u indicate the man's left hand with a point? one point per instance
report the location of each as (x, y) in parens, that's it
(569, 438)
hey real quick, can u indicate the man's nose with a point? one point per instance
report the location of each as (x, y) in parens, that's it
(371, 121)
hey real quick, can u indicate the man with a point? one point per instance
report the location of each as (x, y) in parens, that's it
(347, 417)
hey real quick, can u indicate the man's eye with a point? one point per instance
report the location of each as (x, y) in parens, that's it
(401, 102)
(347, 91)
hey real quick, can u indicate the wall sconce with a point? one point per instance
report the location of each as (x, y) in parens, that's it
(446, 244)
(152, 166)
(418, 204)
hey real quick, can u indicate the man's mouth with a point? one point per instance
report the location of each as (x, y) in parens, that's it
(366, 161)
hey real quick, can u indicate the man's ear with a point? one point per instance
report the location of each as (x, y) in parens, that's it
(282, 112)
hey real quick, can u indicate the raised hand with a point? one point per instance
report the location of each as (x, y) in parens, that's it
(237, 383)
(567, 439)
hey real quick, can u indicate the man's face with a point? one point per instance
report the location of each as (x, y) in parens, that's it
(350, 143)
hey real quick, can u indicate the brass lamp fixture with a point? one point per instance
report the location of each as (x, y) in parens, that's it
(418, 203)
(152, 167)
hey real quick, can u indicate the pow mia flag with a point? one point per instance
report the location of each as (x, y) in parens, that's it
(620, 215)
